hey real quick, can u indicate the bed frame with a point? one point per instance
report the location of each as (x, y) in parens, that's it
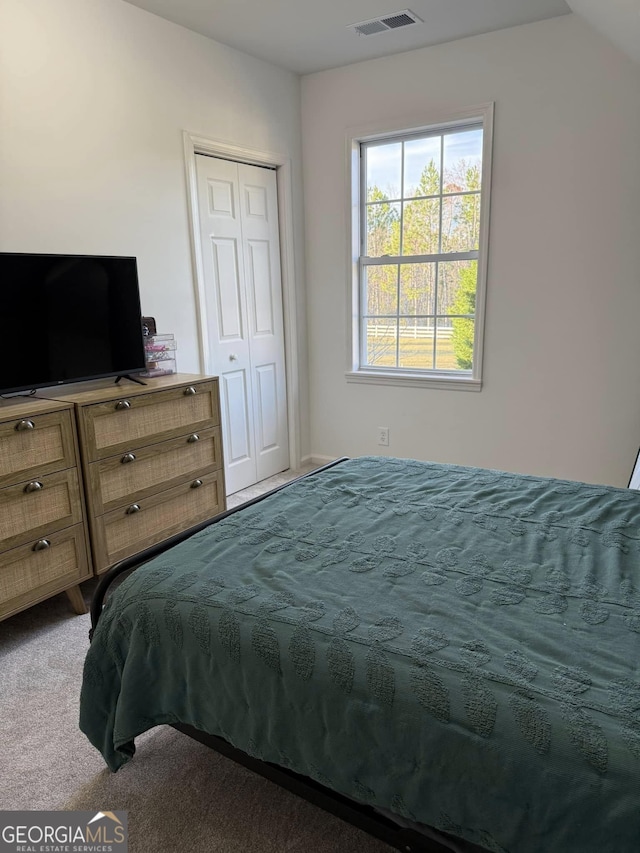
(359, 815)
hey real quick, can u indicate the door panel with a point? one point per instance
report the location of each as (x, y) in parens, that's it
(260, 286)
(228, 289)
(268, 410)
(221, 197)
(237, 417)
(241, 259)
(226, 306)
(261, 244)
(256, 202)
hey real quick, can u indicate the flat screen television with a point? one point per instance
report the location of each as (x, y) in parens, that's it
(67, 318)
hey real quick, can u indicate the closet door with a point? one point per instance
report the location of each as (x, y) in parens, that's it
(241, 262)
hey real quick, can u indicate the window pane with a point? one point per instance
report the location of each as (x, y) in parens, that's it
(381, 289)
(444, 355)
(380, 342)
(457, 282)
(462, 161)
(383, 229)
(416, 343)
(422, 166)
(417, 288)
(460, 223)
(459, 342)
(384, 169)
(421, 227)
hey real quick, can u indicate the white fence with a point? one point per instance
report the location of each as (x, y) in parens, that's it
(413, 332)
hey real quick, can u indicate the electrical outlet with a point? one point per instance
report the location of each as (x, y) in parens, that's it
(383, 436)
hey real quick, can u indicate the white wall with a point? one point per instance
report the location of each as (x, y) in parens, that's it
(619, 20)
(561, 393)
(94, 96)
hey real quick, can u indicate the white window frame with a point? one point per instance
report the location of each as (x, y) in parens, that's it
(449, 379)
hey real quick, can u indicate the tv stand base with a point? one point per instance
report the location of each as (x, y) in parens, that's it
(131, 378)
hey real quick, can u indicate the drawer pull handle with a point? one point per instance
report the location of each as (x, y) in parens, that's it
(41, 545)
(35, 486)
(196, 484)
(128, 457)
(193, 438)
(121, 405)
(133, 508)
(190, 391)
(21, 426)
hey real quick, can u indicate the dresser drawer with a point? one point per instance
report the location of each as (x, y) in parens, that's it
(139, 473)
(30, 509)
(140, 419)
(35, 446)
(28, 575)
(123, 532)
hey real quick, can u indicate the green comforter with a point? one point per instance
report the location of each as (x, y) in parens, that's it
(459, 646)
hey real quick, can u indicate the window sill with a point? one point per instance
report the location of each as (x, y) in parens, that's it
(445, 381)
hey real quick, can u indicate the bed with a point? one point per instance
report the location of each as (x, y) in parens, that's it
(439, 646)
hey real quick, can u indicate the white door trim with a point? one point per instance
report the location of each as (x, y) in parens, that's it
(194, 144)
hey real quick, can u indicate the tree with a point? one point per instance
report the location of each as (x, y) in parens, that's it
(383, 238)
(383, 230)
(461, 213)
(420, 236)
(421, 225)
(463, 327)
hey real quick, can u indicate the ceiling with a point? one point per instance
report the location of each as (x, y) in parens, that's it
(311, 35)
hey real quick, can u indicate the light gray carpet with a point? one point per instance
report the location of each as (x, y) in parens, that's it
(179, 795)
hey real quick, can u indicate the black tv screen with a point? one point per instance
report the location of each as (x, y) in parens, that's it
(66, 318)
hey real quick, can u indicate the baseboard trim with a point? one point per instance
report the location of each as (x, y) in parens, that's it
(314, 459)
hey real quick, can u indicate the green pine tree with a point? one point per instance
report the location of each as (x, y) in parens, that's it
(463, 327)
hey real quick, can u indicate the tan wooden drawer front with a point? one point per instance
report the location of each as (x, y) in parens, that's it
(141, 472)
(29, 509)
(143, 419)
(27, 576)
(45, 447)
(124, 532)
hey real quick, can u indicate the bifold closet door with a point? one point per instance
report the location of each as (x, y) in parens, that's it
(241, 261)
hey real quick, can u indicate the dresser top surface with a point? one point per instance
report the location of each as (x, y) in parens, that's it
(26, 407)
(85, 393)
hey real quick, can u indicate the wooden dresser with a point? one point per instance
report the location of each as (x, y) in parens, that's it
(151, 457)
(43, 534)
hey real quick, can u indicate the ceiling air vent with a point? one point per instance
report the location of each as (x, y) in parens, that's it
(392, 21)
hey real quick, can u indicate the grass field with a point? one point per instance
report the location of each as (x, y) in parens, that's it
(413, 352)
